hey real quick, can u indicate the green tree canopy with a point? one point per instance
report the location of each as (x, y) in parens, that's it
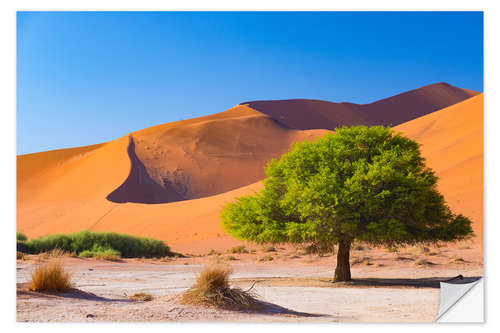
(369, 184)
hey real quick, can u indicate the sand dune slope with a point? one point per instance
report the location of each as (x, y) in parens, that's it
(170, 181)
(124, 185)
(452, 143)
(213, 154)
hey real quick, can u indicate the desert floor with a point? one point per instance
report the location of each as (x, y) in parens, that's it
(388, 286)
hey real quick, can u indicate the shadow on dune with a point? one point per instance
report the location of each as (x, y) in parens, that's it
(139, 187)
(307, 114)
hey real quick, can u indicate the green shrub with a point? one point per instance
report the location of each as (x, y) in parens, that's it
(126, 245)
(21, 237)
(86, 254)
(101, 253)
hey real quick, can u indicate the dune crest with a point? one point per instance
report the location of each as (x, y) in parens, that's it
(395, 110)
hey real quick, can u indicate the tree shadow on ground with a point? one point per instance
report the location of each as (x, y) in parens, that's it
(323, 282)
(431, 282)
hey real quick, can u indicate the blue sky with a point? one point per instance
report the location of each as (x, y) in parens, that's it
(85, 78)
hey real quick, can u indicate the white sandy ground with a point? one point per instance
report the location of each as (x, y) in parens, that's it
(298, 289)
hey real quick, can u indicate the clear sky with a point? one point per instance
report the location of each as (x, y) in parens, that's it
(86, 78)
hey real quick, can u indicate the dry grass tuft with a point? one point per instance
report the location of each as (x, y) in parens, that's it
(391, 249)
(213, 252)
(423, 262)
(358, 247)
(238, 249)
(359, 260)
(142, 297)
(418, 250)
(212, 289)
(50, 277)
(267, 258)
(19, 255)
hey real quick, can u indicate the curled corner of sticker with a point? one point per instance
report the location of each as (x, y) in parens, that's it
(456, 306)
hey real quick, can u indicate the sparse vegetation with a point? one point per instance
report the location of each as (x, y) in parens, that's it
(267, 258)
(212, 289)
(358, 247)
(359, 260)
(21, 237)
(401, 258)
(391, 249)
(238, 249)
(231, 258)
(420, 249)
(213, 252)
(142, 297)
(269, 248)
(125, 245)
(321, 249)
(423, 262)
(101, 253)
(19, 255)
(50, 277)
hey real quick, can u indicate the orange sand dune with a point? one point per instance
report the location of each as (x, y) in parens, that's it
(452, 141)
(170, 181)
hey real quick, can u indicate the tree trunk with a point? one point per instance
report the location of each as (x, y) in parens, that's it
(343, 269)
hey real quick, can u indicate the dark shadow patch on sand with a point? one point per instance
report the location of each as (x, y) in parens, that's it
(267, 308)
(431, 282)
(322, 282)
(139, 187)
(23, 291)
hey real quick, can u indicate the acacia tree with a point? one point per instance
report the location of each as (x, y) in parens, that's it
(368, 184)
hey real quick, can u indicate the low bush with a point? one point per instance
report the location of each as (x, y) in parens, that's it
(99, 252)
(142, 297)
(50, 277)
(126, 245)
